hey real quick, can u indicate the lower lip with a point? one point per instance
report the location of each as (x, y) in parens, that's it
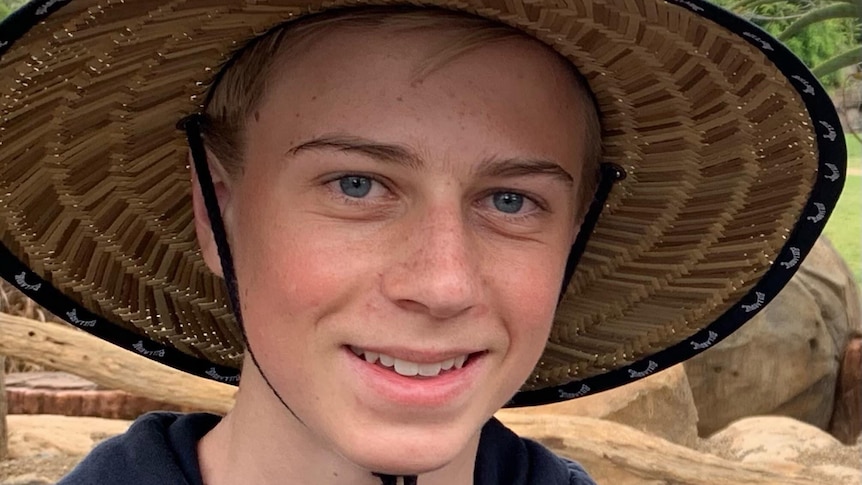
(445, 389)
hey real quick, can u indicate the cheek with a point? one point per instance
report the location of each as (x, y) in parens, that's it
(286, 276)
(527, 290)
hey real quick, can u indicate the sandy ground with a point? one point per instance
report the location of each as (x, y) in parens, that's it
(43, 448)
(36, 470)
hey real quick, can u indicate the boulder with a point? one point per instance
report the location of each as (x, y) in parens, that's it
(840, 475)
(616, 454)
(772, 439)
(661, 404)
(786, 360)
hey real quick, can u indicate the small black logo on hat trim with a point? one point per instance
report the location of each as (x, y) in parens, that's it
(831, 134)
(759, 298)
(139, 347)
(821, 213)
(650, 368)
(710, 339)
(72, 315)
(584, 389)
(213, 373)
(691, 5)
(21, 279)
(763, 44)
(47, 5)
(835, 175)
(809, 89)
(794, 260)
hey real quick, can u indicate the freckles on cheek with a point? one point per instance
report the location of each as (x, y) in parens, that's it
(298, 276)
(290, 281)
(531, 291)
(534, 282)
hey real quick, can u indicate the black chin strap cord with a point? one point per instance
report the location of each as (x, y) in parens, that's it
(610, 173)
(192, 127)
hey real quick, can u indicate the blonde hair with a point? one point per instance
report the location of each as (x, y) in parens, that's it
(241, 84)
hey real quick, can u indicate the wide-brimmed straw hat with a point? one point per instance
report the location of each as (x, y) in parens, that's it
(733, 154)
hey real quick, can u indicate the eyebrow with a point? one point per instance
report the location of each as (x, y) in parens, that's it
(401, 155)
(380, 151)
(516, 167)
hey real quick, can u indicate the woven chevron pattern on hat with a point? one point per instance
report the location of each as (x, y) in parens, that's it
(733, 154)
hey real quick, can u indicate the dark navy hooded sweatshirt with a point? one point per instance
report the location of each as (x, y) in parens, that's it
(161, 449)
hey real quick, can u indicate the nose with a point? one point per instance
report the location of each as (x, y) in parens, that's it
(435, 268)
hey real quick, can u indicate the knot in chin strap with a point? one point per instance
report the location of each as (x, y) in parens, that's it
(396, 480)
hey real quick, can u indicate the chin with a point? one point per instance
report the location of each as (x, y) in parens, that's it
(411, 450)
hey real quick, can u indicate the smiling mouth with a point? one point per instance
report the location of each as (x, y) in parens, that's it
(407, 368)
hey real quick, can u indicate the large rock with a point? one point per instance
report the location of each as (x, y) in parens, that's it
(786, 360)
(660, 404)
(772, 439)
(783, 443)
(616, 454)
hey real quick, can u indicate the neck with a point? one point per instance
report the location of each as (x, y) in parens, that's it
(261, 442)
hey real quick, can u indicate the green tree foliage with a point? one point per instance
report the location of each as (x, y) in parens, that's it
(7, 6)
(825, 34)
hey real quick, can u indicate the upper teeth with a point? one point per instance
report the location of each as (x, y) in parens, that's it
(407, 368)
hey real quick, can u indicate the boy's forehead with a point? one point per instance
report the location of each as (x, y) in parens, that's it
(433, 43)
(387, 58)
(366, 65)
(428, 88)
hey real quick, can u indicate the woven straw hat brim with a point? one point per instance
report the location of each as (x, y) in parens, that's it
(733, 152)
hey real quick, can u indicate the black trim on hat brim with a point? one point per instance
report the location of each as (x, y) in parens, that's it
(824, 195)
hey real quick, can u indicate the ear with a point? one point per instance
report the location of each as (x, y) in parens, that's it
(577, 223)
(576, 229)
(203, 228)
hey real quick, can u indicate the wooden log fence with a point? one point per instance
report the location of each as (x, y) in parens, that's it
(4, 436)
(66, 349)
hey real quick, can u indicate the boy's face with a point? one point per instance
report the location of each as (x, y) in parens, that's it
(426, 219)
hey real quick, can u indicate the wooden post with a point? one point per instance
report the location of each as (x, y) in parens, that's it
(4, 437)
(846, 423)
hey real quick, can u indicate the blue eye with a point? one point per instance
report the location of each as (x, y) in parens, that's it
(355, 186)
(508, 202)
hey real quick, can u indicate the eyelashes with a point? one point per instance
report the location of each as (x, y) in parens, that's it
(364, 196)
(359, 189)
